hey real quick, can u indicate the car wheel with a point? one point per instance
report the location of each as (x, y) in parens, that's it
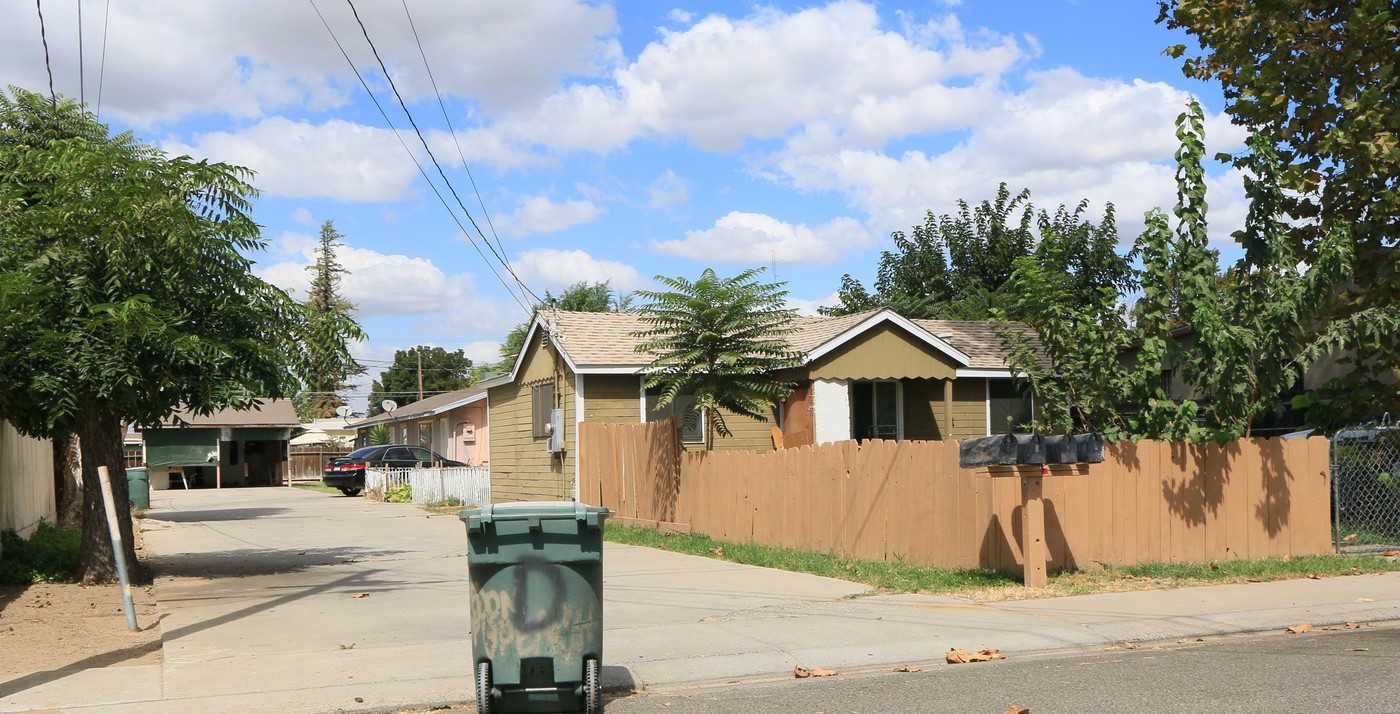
(350, 491)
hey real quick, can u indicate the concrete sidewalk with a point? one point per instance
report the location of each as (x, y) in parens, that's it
(256, 593)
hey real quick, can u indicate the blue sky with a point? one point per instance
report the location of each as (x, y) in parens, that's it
(622, 141)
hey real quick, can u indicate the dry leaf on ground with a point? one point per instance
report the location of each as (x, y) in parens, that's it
(1350, 537)
(1358, 649)
(907, 669)
(1391, 553)
(1112, 647)
(957, 656)
(1287, 558)
(1364, 599)
(1016, 710)
(1353, 626)
(1314, 576)
(1184, 640)
(1252, 580)
(1370, 624)
(819, 672)
(1129, 645)
(1299, 629)
(359, 595)
(718, 551)
(801, 673)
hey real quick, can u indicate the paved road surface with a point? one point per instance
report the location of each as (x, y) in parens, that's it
(1275, 672)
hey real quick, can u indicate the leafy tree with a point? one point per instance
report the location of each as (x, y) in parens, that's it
(721, 340)
(957, 267)
(443, 371)
(582, 296)
(125, 293)
(1254, 333)
(1319, 82)
(330, 372)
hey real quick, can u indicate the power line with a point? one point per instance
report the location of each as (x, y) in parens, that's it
(451, 130)
(102, 65)
(431, 156)
(43, 37)
(413, 158)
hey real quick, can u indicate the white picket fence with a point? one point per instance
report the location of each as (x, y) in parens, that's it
(470, 486)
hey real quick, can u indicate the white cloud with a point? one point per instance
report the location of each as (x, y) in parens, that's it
(809, 307)
(668, 190)
(167, 59)
(549, 269)
(537, 214)
(1066, 138)
(337, 159)
(378, 284)
(301, 215)
(681, 16)
(756, 238)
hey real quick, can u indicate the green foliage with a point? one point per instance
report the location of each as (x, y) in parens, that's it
(403, 493)
(331, 371)
(443, 371)
(959, 267)
(1319, 83)
(124, 286)
(582, 296)
(49, 555)
(721, 340)
(379, 435)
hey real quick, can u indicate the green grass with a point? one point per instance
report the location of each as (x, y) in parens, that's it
(322, 488)
(987, 585)
(49, 555)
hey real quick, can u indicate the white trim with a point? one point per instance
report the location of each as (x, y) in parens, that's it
(987, 385)
(642, 400)
(993, 373)
(578, 419)
(899, 410)
(888, 315)
(611, 369)
(529, 338)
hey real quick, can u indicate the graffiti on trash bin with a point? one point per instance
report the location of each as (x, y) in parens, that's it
(531, 611)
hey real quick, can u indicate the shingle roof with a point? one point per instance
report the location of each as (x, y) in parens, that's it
(424, 407)
(268, 413)
(603, 339)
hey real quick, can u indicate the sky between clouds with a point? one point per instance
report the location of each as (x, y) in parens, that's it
(622, 141)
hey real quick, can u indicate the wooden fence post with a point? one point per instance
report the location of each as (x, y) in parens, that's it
(1034, 553)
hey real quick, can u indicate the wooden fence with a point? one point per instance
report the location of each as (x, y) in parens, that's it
(26, 481)
(884, 500)
(306, 463)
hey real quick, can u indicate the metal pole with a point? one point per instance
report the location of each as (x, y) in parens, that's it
(117, 548)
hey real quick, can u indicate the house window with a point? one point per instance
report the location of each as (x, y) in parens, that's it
(542, 400)
(425, 434)
(1167, 382)
(692, 428)
(874, 410)
(1008, 408)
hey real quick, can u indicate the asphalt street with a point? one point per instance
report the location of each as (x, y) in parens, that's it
(1322, 671)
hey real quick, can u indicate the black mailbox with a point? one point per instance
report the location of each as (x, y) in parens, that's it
(1090, 448)
(1061, 449)
(1030, 449)
(1001, 450)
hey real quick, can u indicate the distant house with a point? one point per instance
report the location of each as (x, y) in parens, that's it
(229, 447)
(453, 424)
(874, 374)
(333, 430)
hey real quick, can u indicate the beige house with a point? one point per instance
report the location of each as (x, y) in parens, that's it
(873, 374)
(453, 424)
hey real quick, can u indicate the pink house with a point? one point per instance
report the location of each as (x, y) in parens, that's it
(452, 424)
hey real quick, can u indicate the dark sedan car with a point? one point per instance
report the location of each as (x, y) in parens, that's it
(347, 472)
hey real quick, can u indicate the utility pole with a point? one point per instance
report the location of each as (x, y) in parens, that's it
(420, 374)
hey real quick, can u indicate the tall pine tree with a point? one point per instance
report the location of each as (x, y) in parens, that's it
(330, 371)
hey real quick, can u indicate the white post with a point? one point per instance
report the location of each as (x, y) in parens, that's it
(117, 548)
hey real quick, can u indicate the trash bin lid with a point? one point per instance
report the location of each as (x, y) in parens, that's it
(534, 511)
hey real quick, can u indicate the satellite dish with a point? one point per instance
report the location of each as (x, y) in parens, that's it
(388, 405)
(344, 411)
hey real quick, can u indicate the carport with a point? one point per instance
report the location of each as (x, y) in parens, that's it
(227, 448)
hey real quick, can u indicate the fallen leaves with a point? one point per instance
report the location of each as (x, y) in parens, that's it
(1184, 640)
(1358, 649)
(1314, 576)
(1350, 537)
(359, 595)
(1300, 629)
(957, 656)
(1353, 626)
(1287, 558)
(718, 551)
(1364, 599)
(801, 673)
(1017, 710)
(907, 669)
(1390, 553)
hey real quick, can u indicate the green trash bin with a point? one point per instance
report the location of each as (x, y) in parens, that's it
(536, 605)
(138, 485)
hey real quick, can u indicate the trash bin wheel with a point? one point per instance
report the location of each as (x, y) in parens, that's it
(592, 687)
(484, 705)
(350, 491)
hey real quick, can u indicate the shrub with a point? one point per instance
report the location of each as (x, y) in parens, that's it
(50, 555)
(400, 494)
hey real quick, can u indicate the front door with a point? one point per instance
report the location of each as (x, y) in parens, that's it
(875, 410)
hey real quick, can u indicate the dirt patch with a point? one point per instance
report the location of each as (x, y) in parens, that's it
(55, 626)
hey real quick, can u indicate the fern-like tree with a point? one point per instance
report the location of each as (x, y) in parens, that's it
(330, 371)
(722, 340)
(126, 292)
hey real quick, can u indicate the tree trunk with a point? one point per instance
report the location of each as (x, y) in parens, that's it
(100, 437)
(68, 481)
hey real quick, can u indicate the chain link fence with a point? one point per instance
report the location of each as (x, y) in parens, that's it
(1366, 488)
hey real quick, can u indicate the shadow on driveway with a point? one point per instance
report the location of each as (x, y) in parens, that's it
(258, 561)
(218, 514)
